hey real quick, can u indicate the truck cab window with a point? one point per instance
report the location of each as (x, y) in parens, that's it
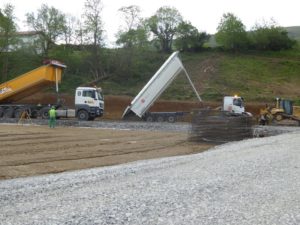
(90, 94)
(238, 102)
(78, 93)
(100, 97)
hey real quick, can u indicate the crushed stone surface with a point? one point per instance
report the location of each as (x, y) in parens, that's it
(256, 181)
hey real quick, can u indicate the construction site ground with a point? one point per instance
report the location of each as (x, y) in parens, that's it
(27, 150)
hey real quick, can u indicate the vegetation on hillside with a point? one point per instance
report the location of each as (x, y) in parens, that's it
(259, 64)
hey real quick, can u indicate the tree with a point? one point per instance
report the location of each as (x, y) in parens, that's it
(50, 22)
(164, 25)
(70, 29)
(134, 33)
(270, 36)
(93, 28)
(231, 33)
(131, 16)
(7, 36)
(189, 38)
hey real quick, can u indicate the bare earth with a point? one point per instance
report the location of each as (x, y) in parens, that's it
(33, 150)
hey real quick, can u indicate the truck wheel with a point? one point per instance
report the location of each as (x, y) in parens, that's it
(1, 112)
(83, 115)
(18, 112)
(171, 119)
(160, 119)
(8, 113)
(44, 112)
(278, 117)
(149, 119)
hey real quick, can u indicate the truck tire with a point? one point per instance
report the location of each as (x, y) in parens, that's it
(278, 117)
(149, 119)
(44, 112)
(1, 112)
(171, 119)
(160, 119)
(18, 112)
(8, 112)
(83, 115)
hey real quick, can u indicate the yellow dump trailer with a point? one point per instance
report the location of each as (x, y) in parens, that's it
(26, 85)
(30, 82)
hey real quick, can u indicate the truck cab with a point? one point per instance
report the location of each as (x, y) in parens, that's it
(234, 104)
(89, 103)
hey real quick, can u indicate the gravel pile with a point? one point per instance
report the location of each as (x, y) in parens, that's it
(249, 182)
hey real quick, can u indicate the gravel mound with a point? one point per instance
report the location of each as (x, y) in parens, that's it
(255, 181)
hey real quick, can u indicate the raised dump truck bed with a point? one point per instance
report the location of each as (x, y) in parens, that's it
(26, 85)
(160, 81)
(30, 82)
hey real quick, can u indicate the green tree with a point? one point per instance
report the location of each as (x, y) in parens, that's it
(231, 33)
(189, 38)
(8, 38)
(51, 23)
(164, 25)
(270, 37)
(134, 33)
(93, 31)
(70, 29)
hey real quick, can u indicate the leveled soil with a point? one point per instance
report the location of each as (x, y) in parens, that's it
(34, 150)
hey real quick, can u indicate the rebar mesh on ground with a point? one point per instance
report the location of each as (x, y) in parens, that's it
(219, 126)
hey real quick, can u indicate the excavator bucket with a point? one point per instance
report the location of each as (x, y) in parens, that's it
(220, 126)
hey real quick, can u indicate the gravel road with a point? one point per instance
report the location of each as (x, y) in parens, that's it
(249, 182)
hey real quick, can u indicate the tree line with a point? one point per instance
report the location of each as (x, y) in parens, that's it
(140, 44)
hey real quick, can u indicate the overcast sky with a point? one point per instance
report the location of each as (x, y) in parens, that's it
(205, 15)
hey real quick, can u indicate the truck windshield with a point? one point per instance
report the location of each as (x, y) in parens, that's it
(238, 102)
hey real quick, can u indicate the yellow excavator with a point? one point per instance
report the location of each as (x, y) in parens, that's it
(283, 110)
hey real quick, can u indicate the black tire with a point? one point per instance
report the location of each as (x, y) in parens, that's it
(149, 119)
(171, 119)
(44, 113)
(278, 117)
(1, 112)
(8, 112)
(18, 113)
(160, 119)
(83, 115)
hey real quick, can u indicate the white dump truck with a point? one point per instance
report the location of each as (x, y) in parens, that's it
(158, 84)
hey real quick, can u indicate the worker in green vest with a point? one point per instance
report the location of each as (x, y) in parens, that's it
(52, 117)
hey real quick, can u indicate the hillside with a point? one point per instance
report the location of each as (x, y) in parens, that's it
(256, 77)
(294, 32)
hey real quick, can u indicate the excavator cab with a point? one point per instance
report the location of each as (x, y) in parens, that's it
(287, 106)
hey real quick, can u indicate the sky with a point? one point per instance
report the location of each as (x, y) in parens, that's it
(205, 15)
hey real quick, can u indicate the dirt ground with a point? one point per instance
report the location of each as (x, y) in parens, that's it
(33, 150)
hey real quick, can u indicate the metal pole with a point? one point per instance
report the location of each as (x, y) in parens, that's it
(56, 80)
(56, 83)
(191, 83)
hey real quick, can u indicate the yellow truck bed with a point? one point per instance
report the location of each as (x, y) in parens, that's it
(31, 82)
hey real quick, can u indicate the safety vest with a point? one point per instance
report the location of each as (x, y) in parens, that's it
(52, 113)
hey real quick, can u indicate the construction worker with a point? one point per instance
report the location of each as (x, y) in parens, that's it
(52, 117)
